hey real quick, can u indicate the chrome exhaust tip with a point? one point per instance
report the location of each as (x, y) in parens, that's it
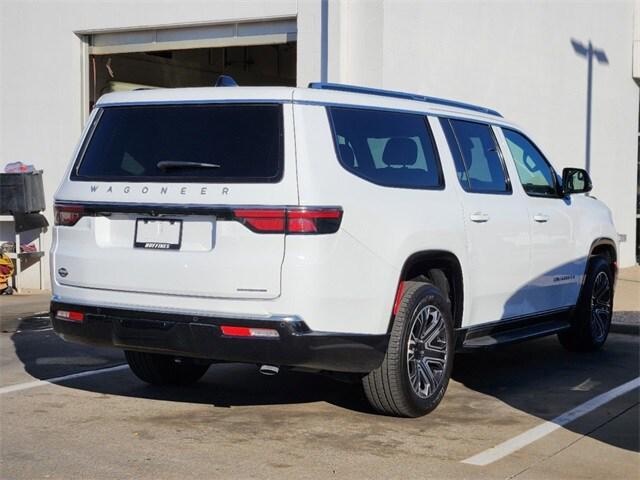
(269, 370)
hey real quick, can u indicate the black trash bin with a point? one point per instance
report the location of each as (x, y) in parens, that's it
(21, 193)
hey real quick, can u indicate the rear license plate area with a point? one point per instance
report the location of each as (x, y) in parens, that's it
(153, 234)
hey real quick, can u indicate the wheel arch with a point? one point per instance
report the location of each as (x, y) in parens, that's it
(419, 264)
(603, 246)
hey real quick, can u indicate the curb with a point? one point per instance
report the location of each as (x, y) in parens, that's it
(625, 328)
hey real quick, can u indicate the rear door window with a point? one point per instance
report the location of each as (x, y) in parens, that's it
(478, 160)
(186, 143)
(387, 148)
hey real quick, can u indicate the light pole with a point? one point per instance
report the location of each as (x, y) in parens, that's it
(324, 40)
(589, 51)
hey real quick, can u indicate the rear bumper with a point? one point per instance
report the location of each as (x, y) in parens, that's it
(201, 337)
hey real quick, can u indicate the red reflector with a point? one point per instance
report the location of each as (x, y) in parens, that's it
(67, 215)
(230, 331)
(396, 304)
(236, 331)
(72, 316)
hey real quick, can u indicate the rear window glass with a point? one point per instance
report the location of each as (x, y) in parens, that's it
(392, 149)
(198, 143)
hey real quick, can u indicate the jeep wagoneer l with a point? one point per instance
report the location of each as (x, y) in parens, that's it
(330, 228)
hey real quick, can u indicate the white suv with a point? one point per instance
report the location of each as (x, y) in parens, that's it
(333, 229)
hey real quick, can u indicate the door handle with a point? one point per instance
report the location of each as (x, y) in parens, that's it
(541, 218)
(479, 217)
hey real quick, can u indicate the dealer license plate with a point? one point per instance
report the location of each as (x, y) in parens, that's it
(165, 234)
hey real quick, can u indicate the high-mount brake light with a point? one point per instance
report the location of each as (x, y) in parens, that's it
(68, 215)
(292, 221)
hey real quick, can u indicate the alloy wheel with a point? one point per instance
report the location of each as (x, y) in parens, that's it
(427, 351)
(600, 306)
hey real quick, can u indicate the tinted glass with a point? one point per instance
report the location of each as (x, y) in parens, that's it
(386, 148)
(536, 175)
(240, 143)
(478, 161)
(455, 152)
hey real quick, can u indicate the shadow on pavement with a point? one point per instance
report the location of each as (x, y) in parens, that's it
(539, 378)
(44, 355)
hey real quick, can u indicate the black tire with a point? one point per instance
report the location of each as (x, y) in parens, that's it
(389, 388)
(164, 369)
(591, 319)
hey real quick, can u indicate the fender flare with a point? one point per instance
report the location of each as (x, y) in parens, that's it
(441, 259)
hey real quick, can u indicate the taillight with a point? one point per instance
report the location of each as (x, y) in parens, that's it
(325, 220)
(262, 220)
(292, 221)
(68, 215)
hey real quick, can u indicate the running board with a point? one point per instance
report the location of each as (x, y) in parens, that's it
(504, 333)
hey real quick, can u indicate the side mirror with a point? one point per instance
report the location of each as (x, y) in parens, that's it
(575, 180)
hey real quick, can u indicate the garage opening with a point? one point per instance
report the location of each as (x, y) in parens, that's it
(255, 65)
(253, 53)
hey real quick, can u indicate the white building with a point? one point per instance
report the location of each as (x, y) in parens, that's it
(527, 59)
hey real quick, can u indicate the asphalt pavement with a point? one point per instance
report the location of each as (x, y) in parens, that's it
(13, 308)
(528, 411)
(236, 423)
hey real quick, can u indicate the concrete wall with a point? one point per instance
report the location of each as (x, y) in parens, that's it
(514, 56)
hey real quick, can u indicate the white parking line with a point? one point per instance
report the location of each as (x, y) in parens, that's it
(536, 433)
(49, 381)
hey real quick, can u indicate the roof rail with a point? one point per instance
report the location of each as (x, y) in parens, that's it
(407, 96)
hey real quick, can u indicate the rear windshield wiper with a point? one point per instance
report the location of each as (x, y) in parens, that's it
(167, 164)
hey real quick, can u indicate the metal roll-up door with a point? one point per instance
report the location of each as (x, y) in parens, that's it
(265, 32)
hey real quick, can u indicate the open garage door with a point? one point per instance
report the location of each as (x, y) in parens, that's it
(253, 53)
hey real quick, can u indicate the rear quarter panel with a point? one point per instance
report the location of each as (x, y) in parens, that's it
(381, 227)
